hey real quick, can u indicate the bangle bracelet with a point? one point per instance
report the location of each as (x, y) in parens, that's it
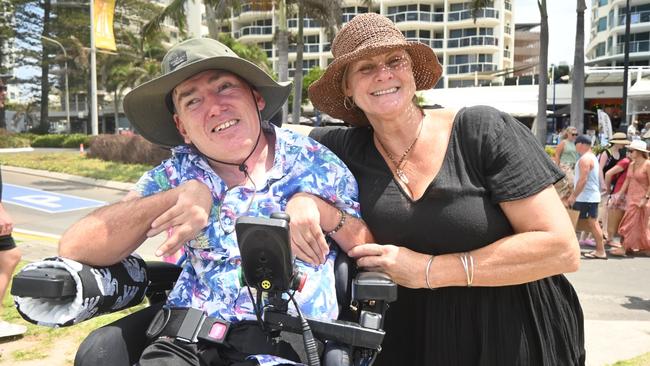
(467, 260)
(426, 272)
(338, 227)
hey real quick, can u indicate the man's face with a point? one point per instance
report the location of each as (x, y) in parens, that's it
(582, 148)
(3, 93)
(216, 111)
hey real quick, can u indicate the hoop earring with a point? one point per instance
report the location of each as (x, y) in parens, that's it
(348, 100)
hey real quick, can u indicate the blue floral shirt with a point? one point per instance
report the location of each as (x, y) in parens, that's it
(210, 277)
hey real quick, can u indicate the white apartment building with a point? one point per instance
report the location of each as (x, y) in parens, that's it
(470, 52)
(606, 45)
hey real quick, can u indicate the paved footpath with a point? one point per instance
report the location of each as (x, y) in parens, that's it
(615, 295)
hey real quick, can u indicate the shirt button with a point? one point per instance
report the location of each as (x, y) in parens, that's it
(227, 300)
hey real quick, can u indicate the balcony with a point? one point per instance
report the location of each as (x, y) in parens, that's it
(467, 14)
(256, 30)
(473, 41)
(635, 46)
(306, 48)
(433, 43)
(416, 16)
(635, 18)
(307, 23)
(470, 68)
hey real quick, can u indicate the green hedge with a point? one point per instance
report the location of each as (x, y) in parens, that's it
(13, 141)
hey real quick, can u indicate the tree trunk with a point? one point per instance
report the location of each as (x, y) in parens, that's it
(211, 20)
(283, 51)
(578, 79)
(3, 121)
(44, 124)
(297, 75)
(116, 112)
(540, 129)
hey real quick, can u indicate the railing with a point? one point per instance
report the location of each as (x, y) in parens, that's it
(472, 67)
(307, 23)
(506, 53)
(473, 41)
(307, 48)
(467, 14)
(416, 16)
(635, 46)
(635, 18)
(433, 43)
(256, 30)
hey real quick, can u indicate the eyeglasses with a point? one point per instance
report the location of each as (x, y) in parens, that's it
(394, 63)
(574, 134)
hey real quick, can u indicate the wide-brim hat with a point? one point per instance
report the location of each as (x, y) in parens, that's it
(368, 35)
(148, 107)
(619, 138)
(638, 145)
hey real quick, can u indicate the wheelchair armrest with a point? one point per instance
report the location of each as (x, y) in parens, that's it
(162, 276)
(48, 283)
(369, 286)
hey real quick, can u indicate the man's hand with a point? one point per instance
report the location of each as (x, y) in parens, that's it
(307, 238)
(571, 200)
(403, 265)
(6, 222)
(185, 219)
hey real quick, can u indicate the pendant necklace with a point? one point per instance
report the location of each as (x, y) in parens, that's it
(399, 172)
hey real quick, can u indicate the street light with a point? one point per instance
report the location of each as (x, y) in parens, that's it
(67, 95)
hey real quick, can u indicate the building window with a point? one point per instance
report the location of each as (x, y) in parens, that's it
(602, 2)
(602, 24)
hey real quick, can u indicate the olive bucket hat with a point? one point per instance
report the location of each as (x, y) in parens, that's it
(368, 35)
(148, 107)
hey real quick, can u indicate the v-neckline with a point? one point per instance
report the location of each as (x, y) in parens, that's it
(435, 177)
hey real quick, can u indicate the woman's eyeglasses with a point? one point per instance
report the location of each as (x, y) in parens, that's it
(574, 134)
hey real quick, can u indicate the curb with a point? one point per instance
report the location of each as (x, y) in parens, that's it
(119, 186)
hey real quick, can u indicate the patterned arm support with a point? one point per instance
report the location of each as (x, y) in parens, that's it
(98, 291)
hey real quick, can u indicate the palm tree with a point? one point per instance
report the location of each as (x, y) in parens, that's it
(215, 10)
(578, 87)
(328, 15)
(540, 124)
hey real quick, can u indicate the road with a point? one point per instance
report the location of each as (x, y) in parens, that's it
(615, 294)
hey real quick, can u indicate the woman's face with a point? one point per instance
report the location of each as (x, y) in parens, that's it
(572, 135)
(382, 85)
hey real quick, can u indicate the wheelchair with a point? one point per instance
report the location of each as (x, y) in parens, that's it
(353, 339)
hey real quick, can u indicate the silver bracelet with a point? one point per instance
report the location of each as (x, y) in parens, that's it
(426, 273)
(467, 260)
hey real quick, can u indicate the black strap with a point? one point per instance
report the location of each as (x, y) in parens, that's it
(188, 325)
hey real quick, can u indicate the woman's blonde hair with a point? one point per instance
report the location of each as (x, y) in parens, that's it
(567, 131)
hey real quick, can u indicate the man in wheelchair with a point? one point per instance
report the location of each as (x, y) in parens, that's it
(212, 107)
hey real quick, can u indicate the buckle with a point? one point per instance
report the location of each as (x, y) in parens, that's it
(188, 325)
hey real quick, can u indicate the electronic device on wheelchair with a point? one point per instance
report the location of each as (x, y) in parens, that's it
(268, 268)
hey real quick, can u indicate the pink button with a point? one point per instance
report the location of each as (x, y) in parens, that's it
(218, 331)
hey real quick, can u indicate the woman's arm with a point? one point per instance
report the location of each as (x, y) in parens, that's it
(616, 169)
(544, 244)
(558, 152)
(601, 163)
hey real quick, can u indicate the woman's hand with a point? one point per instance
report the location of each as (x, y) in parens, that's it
(307, 238)
(185, 219)
(6, 222)
(404, 266)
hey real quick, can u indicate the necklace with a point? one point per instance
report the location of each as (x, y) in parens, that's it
(399, 172)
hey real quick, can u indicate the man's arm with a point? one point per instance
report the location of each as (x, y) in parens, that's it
(111, 233)
(585, 166)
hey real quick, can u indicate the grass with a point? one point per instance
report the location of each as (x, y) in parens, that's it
(76, 164)
(643, 360)
(48, 338)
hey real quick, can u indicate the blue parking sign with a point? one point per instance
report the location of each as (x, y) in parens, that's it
(45, 201)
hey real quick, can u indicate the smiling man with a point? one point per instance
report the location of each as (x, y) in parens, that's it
(212, 107)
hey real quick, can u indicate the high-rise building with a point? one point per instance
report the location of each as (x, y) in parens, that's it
(470, 51)
(607, 39)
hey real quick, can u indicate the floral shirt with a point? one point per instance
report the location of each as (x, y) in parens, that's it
(210, 276)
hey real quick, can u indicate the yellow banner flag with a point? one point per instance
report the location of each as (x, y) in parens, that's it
(103, 17)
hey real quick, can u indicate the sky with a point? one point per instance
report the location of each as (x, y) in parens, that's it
(561, 25)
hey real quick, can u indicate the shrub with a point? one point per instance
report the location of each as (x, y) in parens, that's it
(132, 149)
(76, 139)
(13, 141)
(48, 141)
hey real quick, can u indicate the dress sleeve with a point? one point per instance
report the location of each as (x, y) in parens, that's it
(332, 137)
(514, 164)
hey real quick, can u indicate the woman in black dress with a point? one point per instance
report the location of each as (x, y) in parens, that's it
(462, 208)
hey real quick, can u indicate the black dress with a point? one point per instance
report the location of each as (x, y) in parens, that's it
(491, 158)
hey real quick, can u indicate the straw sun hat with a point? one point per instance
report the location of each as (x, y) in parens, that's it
(638, 145)
(619, 138)
(149, 105)
(368, 35)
